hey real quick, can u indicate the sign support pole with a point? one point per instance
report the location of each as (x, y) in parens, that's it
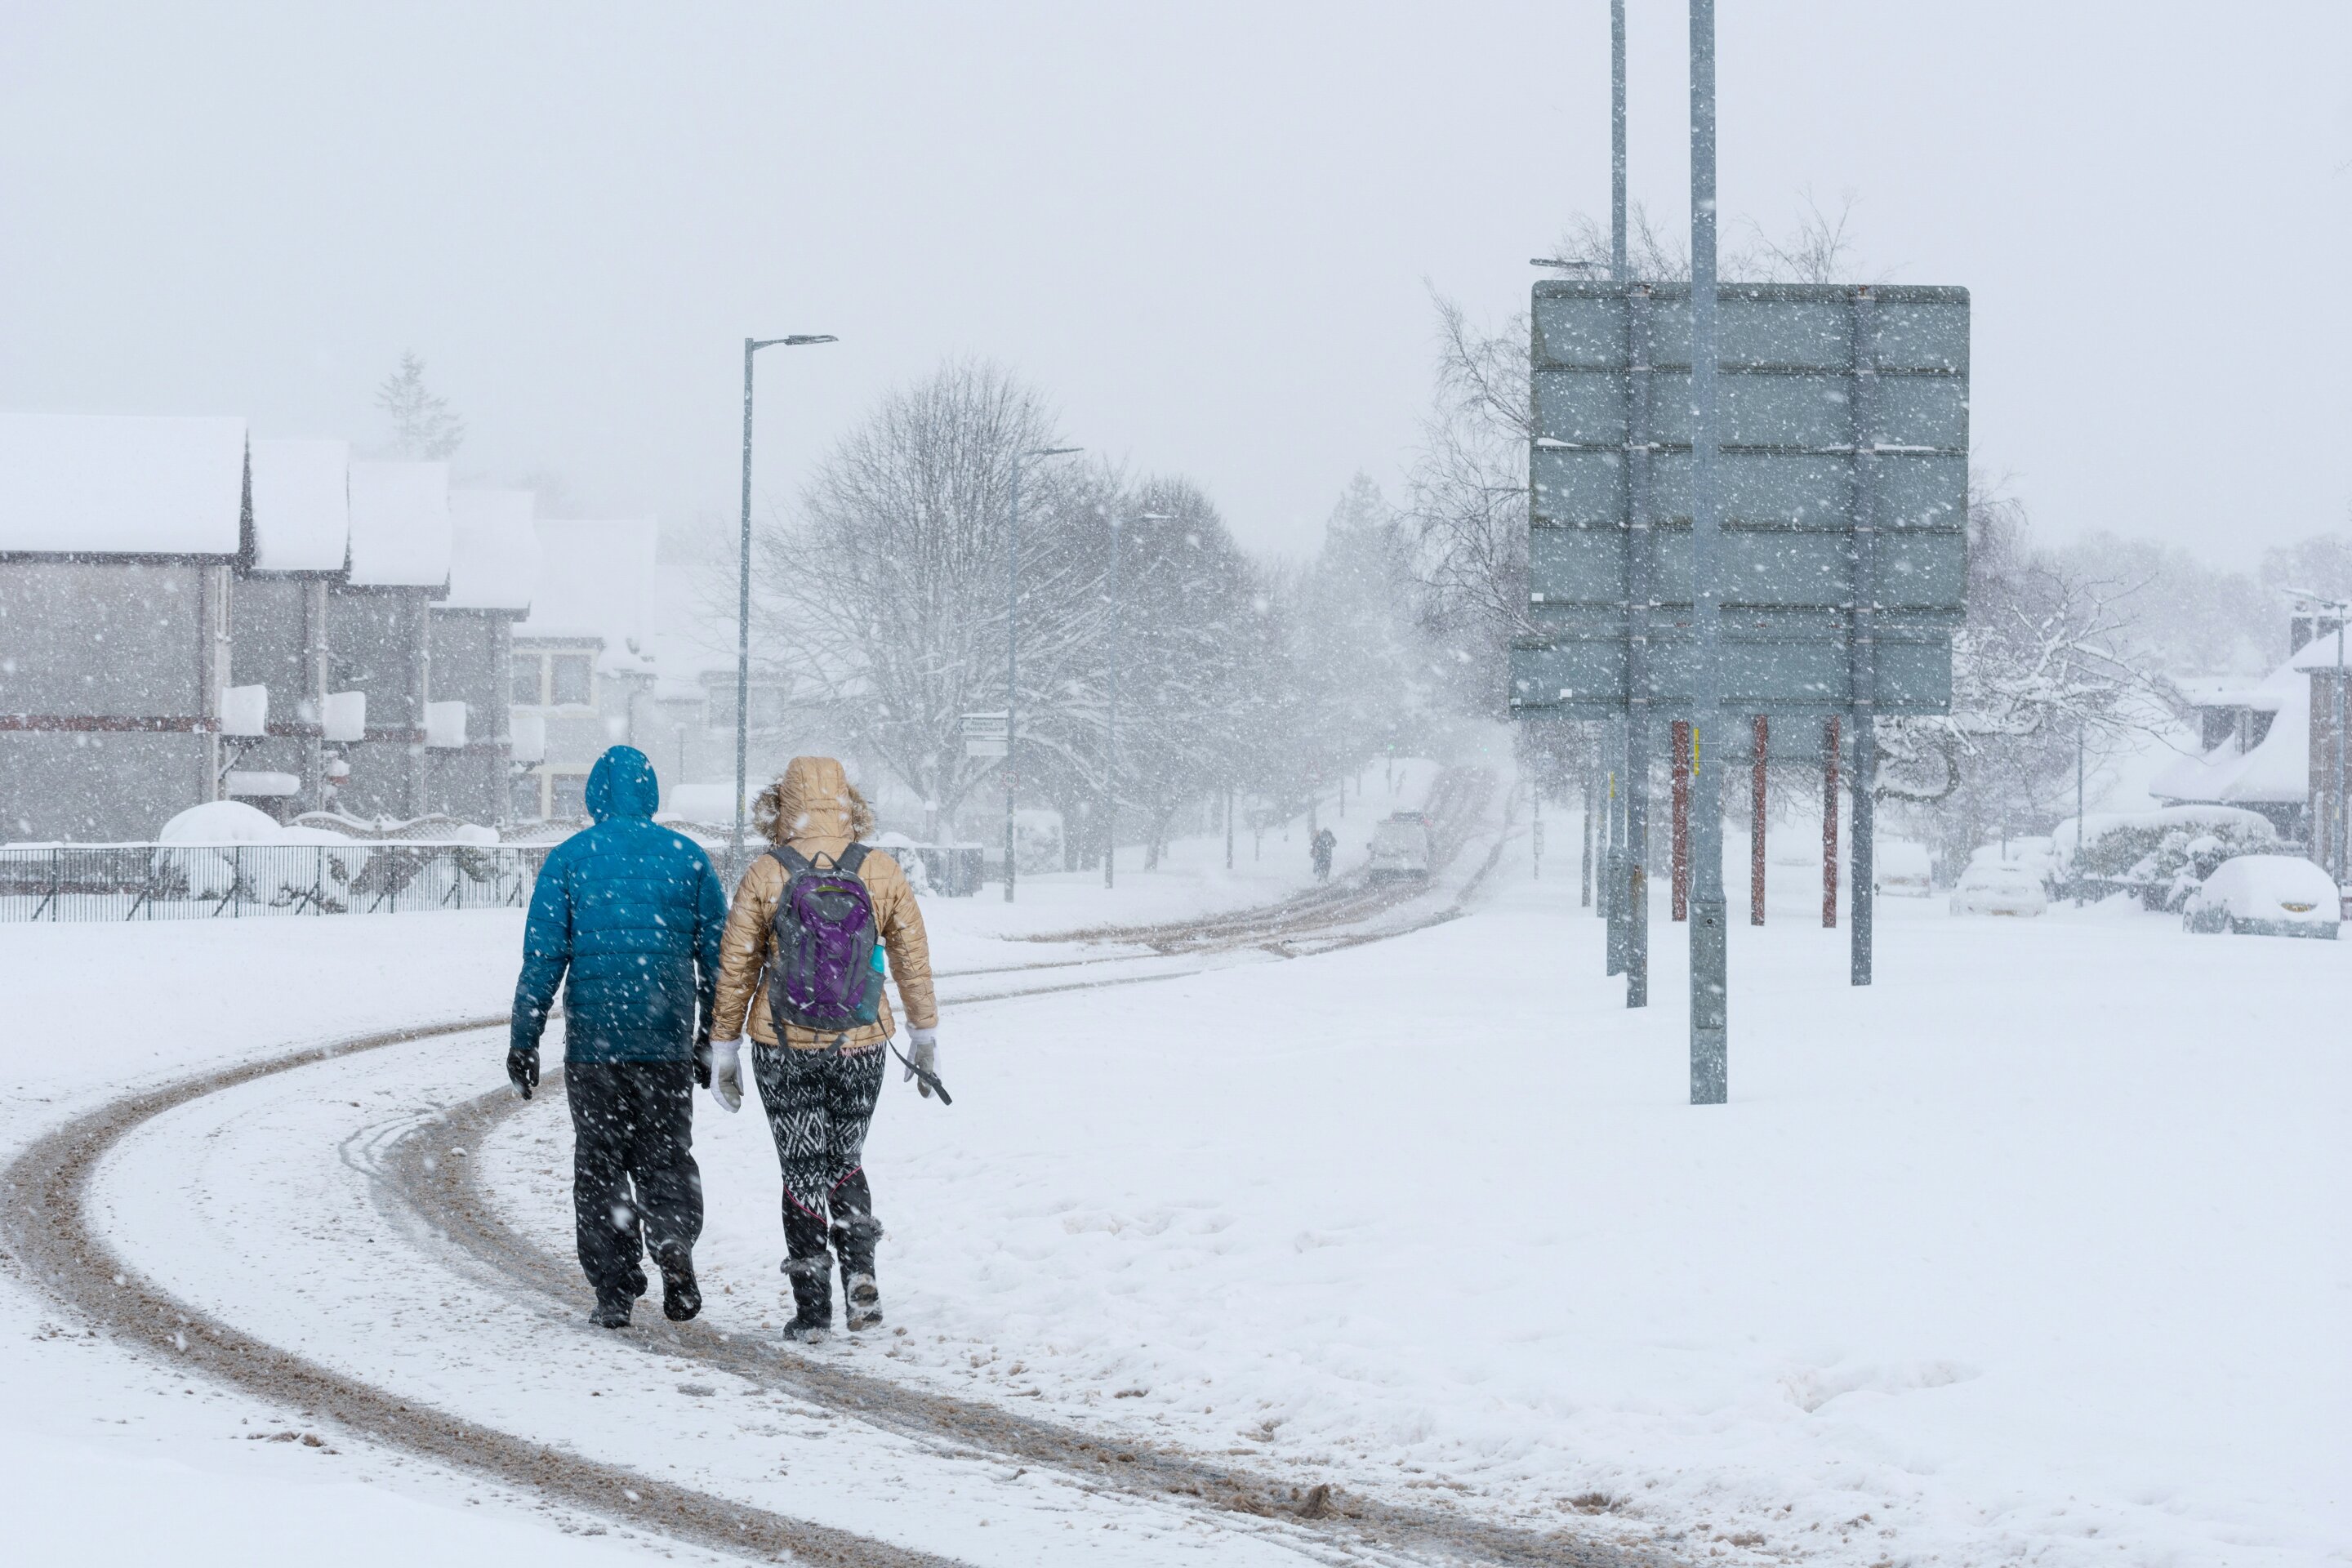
(1635, 886)
(1864, 642)
(1617, 269)
(1865, 844)
(1758, 807)
(1679, 839)
(1832, 742)
(1709, 981)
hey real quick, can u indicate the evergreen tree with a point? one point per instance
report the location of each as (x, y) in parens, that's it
(424, 427)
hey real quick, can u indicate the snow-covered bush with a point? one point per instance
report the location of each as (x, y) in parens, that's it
(2163, 856)
(200, 857)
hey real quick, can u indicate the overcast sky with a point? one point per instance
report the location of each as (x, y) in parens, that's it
(1207, 230)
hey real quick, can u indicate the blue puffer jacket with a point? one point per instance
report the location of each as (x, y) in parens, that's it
(633, 912)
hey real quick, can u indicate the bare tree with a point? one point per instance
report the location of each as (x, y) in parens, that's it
(1466, 504)
(886, 599)
(1817, 246)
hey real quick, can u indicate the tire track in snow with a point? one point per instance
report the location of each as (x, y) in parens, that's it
(445, 1195)
(46, 1226)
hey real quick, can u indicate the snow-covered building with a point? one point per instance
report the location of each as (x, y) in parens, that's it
(274, 714)
(378, 639)
(493, 576)
(691, 713)
(583, 667)
(2267, 745)
(120, 536)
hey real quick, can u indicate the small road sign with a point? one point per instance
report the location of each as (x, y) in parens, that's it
(986, 735)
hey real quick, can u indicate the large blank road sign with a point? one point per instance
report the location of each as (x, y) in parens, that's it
(1842, 483)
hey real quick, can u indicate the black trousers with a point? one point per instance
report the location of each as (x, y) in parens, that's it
(819, 1104)
(635, 1184)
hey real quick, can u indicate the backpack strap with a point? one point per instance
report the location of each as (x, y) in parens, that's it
(792, 860)
(851, 860)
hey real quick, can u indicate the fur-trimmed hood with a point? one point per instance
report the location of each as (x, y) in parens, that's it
(814, 799)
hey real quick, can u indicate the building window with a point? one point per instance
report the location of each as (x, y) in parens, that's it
(573, 684)
(567, 797)
(527, 689)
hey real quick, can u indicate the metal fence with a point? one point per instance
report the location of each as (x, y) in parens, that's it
(236, 882)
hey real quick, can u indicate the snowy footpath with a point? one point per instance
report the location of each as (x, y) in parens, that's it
(2036, 1251)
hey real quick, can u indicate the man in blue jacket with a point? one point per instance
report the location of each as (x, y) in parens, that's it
(627, 917)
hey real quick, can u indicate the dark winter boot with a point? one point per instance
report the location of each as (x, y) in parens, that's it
(613, 1308)
(812, 1281)
(681, 1297)
(637, 1283)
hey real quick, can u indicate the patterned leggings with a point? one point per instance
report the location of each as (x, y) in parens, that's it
(819, 1104)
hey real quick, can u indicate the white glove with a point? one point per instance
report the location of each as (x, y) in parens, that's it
(924, 1054)
(727, 1073)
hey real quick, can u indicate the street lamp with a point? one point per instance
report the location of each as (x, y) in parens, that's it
(1111, 731)
(1012, 641)
(743, 595)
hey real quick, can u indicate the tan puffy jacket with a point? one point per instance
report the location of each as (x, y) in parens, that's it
(814, 809)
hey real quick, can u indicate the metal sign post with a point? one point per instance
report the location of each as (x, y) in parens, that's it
(1747, 499)
(1709, 983)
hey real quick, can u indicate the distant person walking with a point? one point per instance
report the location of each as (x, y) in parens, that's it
(1324, 843)
(803, 960)
(627, 918)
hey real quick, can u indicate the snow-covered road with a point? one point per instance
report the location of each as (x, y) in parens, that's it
(2034, 1252)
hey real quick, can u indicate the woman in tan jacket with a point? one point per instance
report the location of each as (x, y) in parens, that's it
(819, 1086)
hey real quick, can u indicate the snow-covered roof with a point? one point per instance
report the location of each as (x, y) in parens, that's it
(400, 525)
(597, 580)
(494, 550)
(2275, 772)
(2226, 692)
(301, 505)
(115, 484)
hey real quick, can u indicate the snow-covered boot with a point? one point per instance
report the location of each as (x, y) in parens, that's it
(613, 1308)
(854, 1232)
(862, 1299)
(812, 1281)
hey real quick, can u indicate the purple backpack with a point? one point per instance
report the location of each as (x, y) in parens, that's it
(827, 972)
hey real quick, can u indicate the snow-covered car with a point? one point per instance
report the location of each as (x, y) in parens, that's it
(2265, 894)
(1998, 888)
(2038, 856)
(1401, 846)
(1902, 869)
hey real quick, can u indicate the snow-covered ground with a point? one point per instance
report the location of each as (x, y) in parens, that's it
(133, 1460)
(2034, 1251)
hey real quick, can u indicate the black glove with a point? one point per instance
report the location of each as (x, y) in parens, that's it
(702, 1060)
(522, 1069)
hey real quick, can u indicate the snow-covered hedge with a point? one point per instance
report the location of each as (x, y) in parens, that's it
(2162, 854)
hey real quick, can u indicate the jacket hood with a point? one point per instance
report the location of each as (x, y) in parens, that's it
(814, 799)
(622, 784)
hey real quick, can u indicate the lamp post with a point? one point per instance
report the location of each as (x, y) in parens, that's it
(743, 595)
(1110, 729)
(1012, 642)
